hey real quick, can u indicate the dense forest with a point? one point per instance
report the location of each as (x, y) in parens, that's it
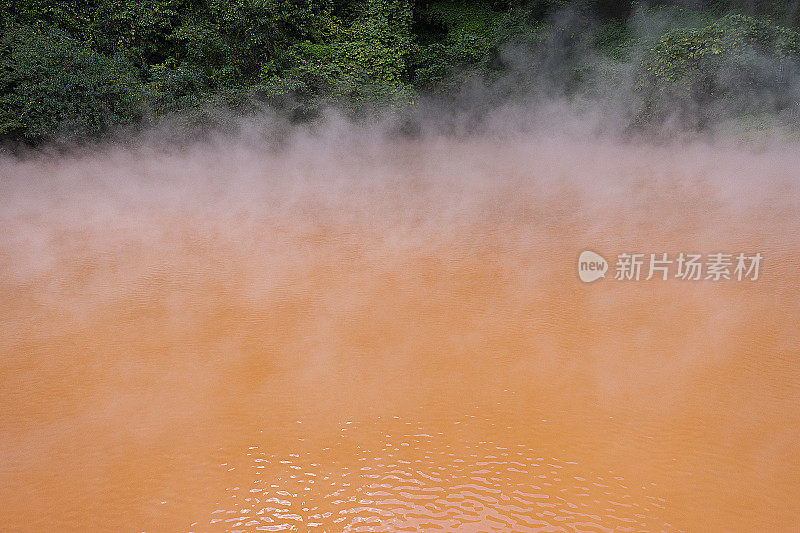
(83, 68)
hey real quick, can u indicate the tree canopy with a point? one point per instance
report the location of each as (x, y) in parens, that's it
(84, 67)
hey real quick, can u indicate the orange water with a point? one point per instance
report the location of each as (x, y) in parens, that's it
(358, 335)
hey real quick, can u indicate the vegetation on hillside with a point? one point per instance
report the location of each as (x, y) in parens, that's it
(85, 67)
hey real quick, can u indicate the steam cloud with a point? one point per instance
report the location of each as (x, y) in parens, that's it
(141, 278)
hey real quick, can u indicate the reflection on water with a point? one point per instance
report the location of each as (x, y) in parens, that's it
(348, 335)
(396, 476)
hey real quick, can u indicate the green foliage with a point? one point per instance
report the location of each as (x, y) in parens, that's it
(50, 82)
(75, 17)
(472, 34)
(733, 59)
(359, 61)
(86, 66)
(687, 53)
(141, 29)
(614, 40)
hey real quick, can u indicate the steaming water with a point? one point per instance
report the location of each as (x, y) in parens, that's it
(353, 334)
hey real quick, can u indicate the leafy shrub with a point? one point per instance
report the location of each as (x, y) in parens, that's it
(737, 63)
(50, 83)
(361, 62)
(474, 32)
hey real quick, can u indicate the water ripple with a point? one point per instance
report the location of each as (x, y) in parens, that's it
(434, 484)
